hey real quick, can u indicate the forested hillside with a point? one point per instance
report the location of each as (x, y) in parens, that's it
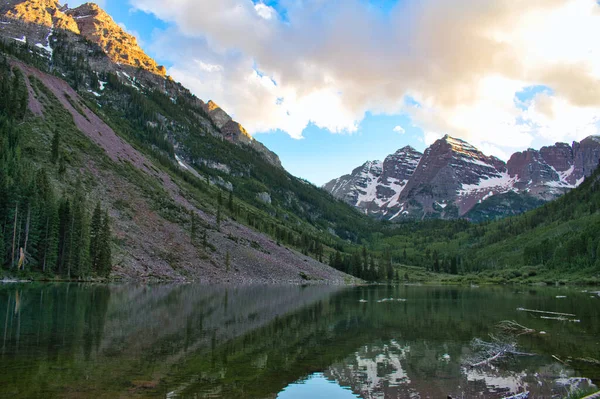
(183, 201)
(42, 230)
(560, 240)
(111, 170)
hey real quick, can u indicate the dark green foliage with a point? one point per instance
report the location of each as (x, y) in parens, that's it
(95, 229)
(62, 165)
(52, 233)
(104, 248)
(13, 92)
(230, 201)
(55, 146)
(499, 206)
(193, 226)
(2, 247)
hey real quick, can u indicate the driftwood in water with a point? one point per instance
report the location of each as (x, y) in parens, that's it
(523, 395)
(593, 396)
(556, 358)
(560, 318)
(488, 360)
(545, 312)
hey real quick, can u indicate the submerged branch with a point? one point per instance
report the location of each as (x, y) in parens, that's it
(512, 327)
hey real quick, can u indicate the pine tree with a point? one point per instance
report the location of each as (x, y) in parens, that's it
(95, 231)
(193, 228)
(219, 216)
(62, 165)
(2, 247)
(453, 266)
(48, 247)
(80, 236)
(64, 234)
(204, 239)
(55, 147)
(230, 201)
(104, 248)
(373, 272)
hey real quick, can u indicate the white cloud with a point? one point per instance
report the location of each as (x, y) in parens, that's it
(264, 11)
(399, 129)
(328, 63)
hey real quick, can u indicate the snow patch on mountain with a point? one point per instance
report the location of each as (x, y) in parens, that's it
(502, 183)
(371, 177)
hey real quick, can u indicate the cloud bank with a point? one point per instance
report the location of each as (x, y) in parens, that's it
(455, 67)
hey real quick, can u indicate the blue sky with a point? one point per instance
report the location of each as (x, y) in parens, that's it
(325, 84)
(320, 155)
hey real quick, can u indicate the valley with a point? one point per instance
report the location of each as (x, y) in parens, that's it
(191, 196)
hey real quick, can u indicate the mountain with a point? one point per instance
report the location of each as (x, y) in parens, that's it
(102, 159)
(453, 177)
(47, 25)
(377, 185)
(89, 121)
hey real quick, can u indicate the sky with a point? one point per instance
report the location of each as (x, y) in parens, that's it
(330, 84)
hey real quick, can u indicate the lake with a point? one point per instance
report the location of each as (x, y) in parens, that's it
(284, 342)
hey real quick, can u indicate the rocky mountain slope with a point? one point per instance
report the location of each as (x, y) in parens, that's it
(377, 185)
(190, 194)
(452, 177)
(45, 24)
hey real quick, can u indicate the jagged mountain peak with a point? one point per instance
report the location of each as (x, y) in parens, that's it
(47, 13)
(88, 20)
(211, 105)
(377, 184)
(454, 172)
(99, 27)
(406, 150)
(457, 145)
(375, 163)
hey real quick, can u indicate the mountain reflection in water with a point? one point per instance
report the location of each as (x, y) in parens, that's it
(101, 341)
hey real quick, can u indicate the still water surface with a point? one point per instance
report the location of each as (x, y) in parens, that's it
(193, 341)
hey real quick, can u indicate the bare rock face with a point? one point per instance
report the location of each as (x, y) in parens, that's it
(450, 173)
(553, 170)
(39, 12)
(587, 154)
(216, 113)
(236, 133)
(531, 168)
(375, 187)
(452, 177)
(34, 20)
(121, 47)
(87, 20)
(359, 187)
(559, 156)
